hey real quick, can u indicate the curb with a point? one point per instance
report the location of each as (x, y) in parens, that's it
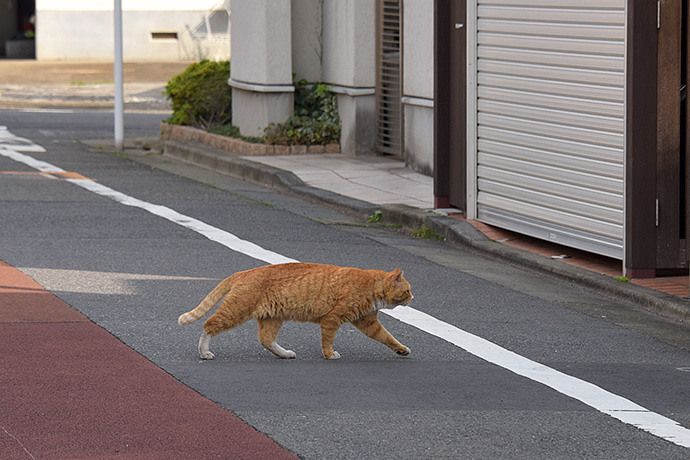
(261, 174)
(452, 230)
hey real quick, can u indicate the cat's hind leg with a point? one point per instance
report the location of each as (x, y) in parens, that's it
(372, 327)
(268, 332)
(204, 342)
(223, 319)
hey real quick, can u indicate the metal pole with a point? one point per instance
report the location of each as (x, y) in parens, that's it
(118, 77)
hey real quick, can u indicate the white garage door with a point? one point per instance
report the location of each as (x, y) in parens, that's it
(549, 133)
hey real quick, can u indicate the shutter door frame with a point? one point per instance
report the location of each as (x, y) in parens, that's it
(546, 119)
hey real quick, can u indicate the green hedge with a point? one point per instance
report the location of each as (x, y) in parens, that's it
(200, 95)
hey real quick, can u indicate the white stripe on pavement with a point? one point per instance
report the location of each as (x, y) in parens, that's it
(604, 401)
(588, 393)
(212, 233)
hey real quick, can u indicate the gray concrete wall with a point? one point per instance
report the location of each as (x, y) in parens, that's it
(307, 39)
(261, 70)
(418, 48)
(418, 84)
(419, 137)
(332, 41)
(262, 45)
(349, 63)
(349, 31)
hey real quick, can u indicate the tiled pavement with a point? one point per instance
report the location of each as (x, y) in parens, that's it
(375, 179)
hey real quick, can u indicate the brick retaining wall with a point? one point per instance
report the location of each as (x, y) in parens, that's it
(190, 134)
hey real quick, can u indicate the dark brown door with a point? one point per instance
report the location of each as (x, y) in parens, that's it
(672, 119)
(458, 105)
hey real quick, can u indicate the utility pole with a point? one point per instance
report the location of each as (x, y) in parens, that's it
(118, 78)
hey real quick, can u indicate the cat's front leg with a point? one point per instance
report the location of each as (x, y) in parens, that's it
(402, 351)
(329, 327)
(268, 331)
(372, 327)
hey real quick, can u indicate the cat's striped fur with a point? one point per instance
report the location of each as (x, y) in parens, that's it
(323, 294)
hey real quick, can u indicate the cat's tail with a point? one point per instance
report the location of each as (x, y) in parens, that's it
(207, 304)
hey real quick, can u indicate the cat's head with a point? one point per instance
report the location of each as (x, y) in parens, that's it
(397, 290)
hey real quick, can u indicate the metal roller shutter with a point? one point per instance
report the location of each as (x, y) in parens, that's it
(550, 93)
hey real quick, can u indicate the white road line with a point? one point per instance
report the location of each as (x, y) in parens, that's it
(13, 142)
(212, 233)
(604, 401)
(29, 161)
(611, 404)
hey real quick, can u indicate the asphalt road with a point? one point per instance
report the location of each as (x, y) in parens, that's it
(133, 273)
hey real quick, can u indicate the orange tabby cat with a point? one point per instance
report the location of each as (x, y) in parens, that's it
(323, 294)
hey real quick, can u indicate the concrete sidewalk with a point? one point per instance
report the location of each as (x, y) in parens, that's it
(376, 179)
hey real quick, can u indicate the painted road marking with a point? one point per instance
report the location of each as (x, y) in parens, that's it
(45, 174)
(603, 401)
(212, 233)
(10, 141)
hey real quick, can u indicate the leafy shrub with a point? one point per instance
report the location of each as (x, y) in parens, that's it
(200, 95)
(315, 120)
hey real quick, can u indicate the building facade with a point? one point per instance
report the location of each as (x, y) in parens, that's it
(378, 57)
(560, 119)
(567, 121)
(174, 30)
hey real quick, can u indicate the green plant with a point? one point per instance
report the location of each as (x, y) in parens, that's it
(315, 119)
(624, 279)
(200, 96)
(426, 233)
(376, 217)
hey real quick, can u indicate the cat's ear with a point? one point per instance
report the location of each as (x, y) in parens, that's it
(397, 275)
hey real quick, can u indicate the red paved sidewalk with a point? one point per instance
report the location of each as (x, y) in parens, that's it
(69, 389)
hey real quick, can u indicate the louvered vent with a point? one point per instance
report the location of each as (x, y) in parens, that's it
(388, 78)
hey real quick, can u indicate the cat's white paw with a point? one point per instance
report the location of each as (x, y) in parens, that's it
(204, 342)
(281, 352)
(335, 355)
